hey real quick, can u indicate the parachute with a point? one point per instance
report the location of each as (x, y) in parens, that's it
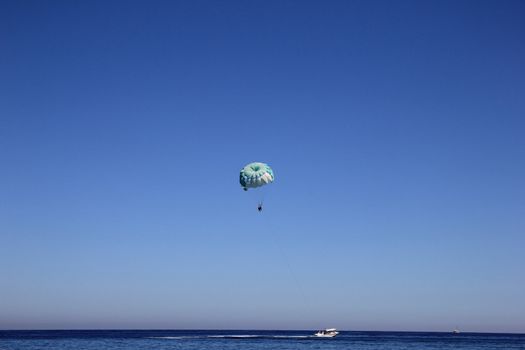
(255, 175)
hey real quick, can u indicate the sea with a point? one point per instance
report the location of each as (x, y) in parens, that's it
(251, 340)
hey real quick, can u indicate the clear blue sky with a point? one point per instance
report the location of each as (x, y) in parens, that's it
(395, 130)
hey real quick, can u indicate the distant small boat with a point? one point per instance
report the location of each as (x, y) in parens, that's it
(327, 333)
(455, 331)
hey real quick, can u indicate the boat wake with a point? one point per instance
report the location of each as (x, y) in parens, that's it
(175, 338)
(235, 336)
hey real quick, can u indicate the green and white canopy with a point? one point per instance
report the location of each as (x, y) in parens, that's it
(256, 175)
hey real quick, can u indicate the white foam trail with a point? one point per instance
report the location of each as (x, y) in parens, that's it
(291, 336)
(235, 336)
(181, 337)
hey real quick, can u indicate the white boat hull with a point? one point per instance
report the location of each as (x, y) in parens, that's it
(327, 333)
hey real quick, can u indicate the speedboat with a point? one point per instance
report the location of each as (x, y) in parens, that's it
(327, 333)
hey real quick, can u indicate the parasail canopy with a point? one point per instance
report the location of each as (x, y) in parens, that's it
(255, 175)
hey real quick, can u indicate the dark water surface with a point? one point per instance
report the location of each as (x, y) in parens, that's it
(252, 340)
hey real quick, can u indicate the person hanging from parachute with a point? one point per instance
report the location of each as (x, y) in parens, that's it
(256, 175)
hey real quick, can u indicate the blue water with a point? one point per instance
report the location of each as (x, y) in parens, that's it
(252, 340)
